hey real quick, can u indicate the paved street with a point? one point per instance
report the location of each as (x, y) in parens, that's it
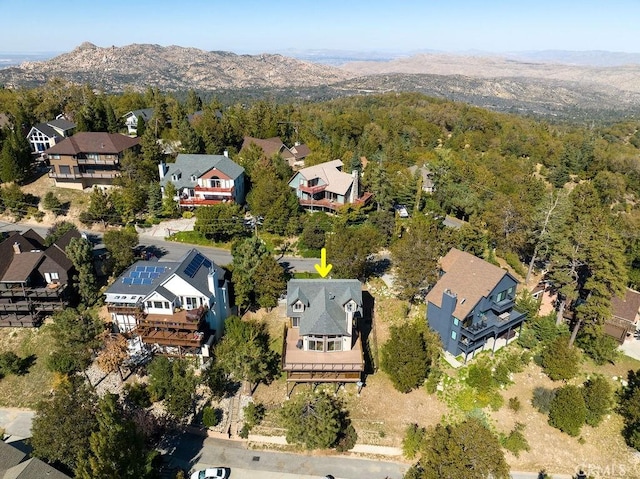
(195, 452)
(153, 238)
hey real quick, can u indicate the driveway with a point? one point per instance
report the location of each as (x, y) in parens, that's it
(16, 422)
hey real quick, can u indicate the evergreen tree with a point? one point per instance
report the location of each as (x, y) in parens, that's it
(120, 244)
(169, 204)
(15, 158)
(117, 449)
(190, 142)
(629, 409)
(151, 149)
(247, 255)
(407, 357)
(559, 360)
(568, 411)
(244, 352)
(154, 200)
(462, 451)
(80, 252)
(193, 103)
(57, 436)
(598, 399)
(221, 222)
(270, 282)
(350, 249)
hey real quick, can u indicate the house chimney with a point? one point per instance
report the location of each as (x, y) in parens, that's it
(226, 153)
(297, 143)
(162, 169)
(355, 186)
(212, 279)
(16, 248)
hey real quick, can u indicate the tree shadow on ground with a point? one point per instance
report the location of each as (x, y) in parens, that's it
(367, 336)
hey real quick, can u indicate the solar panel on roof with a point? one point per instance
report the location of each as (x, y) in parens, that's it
(136, 281)
(154, 275)
(144, 275)
(150, 269)
(147, 281)
(127, 280)
(139, 268)
(160, 269)
(134, 274)
(197, 261)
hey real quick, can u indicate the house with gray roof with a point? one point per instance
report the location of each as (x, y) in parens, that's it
(44, 135)
(322, 340)
(131, 119)
(204, 180)
(325, 187)
(472, 304)
(15, 464)
(177, 307)
(293, 155)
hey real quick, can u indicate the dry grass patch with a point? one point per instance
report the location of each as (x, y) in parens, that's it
(27, 390)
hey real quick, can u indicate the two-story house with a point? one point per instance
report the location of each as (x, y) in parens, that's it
(34, 279)
(472, 303)
(293, 155)
(44, 135)
(322, 338)
(325, 187)
(131, 119)
(88, 159)
(179, 307)
(204, 180)
(625, 312)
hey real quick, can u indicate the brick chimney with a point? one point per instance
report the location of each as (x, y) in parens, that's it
(16, 248)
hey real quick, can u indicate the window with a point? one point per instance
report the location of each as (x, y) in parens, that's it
(350, 307)
(65, 170)
(190, 303)
(456, 321)
(334, 344)
(51, 277)
(454, 335)
(501, 296)
(315, 344)
(157, 304)
(510, 291)
(295, 322)
(166, 305)
(298, 306)
(149, 304)
(92, 156)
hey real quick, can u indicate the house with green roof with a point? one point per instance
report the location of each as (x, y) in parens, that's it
(204, 180)
(323, 341)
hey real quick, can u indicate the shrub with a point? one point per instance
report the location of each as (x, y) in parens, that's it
(187, 214)
(10, 363)
(480, 377)
(347, 439)
(542, 398)
(516, 361)
(560, 361)
(515, 442)
(138, 394)
(512, 260)
(244, 432)
(210, 416)
(413, 439)
(35, 213)
(50, 202)
(433, 380)
(253, 414)
(597, 393)
(568, 411)
(407, 357)
(514, 404)
(501, 374)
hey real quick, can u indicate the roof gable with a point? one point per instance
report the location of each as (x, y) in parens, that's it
(201, 165)
(467, 276)
(329, 172)
(324, 300)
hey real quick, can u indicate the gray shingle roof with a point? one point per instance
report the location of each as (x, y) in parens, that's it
(324, 312)
(198, 280)
(145, 113)
(188, 164)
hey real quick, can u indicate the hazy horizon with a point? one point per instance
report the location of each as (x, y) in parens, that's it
(253, 26)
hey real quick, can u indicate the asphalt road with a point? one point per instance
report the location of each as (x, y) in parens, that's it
(171, 250)
(193, 452)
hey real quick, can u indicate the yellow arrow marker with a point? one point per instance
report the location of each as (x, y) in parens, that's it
(323, 268)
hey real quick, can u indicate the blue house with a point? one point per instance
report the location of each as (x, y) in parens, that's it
(472, 303)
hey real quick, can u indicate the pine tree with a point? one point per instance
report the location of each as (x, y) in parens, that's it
(80, 252)
(154, 200)
(270, 282)
(117, 449)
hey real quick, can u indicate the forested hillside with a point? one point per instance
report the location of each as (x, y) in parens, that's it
(557, 198)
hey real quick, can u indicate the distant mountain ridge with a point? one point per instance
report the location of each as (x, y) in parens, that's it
(535, 83)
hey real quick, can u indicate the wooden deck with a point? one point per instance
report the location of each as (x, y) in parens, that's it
(311, 366)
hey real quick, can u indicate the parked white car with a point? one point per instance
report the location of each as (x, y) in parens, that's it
(211, 473)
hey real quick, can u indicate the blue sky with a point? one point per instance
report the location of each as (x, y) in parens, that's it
(253, 26)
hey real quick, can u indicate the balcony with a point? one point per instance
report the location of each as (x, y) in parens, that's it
(182, 328)
(98, 161)
(493, 325)
(317, 366)
(188, 202)
(320, 205)
(502, 306)
(80, 175)
(215, 189)
(312, 190)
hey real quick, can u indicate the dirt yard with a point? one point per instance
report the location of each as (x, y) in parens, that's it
(380, 414)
